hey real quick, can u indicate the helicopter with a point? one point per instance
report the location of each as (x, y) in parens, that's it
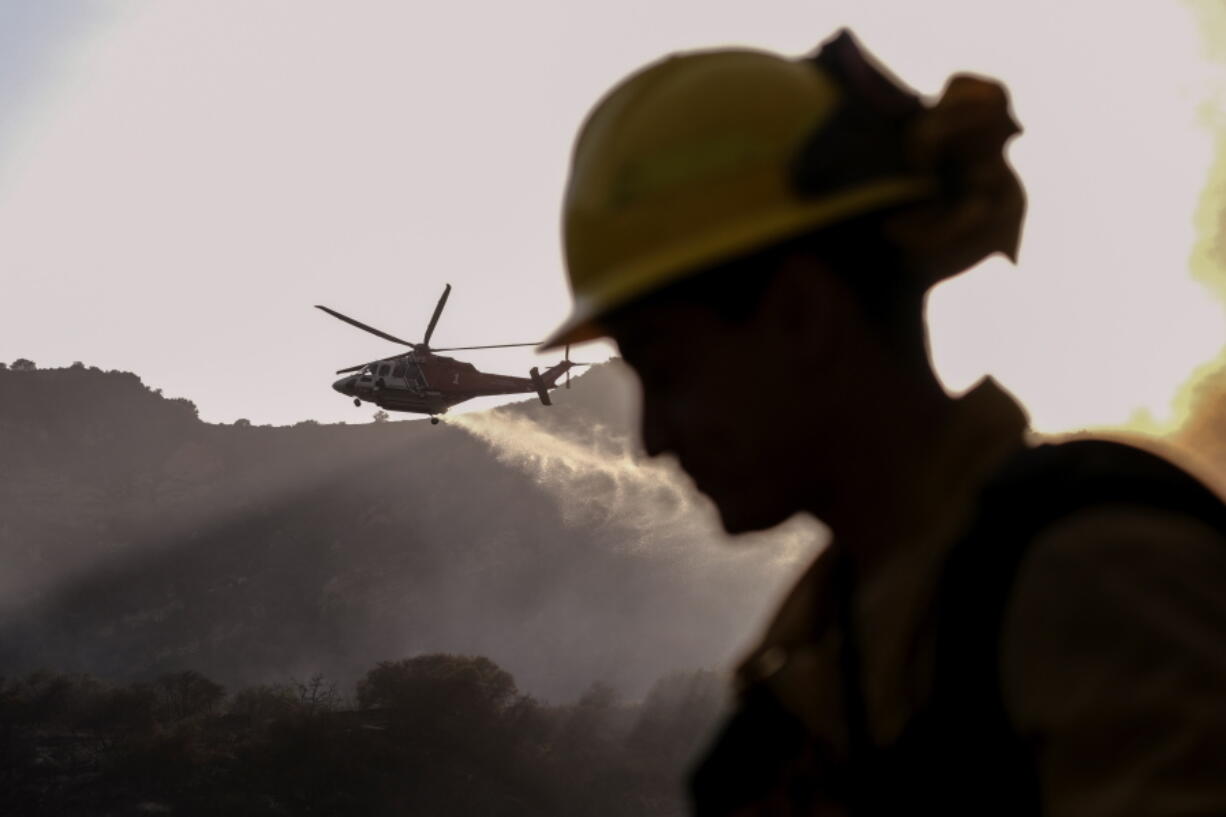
(424, 382)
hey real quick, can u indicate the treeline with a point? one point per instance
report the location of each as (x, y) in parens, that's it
(431, 735)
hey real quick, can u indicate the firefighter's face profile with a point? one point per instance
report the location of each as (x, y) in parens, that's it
(725, 398)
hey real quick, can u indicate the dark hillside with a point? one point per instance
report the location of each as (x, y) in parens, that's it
(138, 540)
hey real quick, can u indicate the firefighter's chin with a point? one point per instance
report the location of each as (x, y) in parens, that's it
(744, 510)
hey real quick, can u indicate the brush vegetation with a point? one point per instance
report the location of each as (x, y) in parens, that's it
(431, 735)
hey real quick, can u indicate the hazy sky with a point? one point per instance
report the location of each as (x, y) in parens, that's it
(179, 183)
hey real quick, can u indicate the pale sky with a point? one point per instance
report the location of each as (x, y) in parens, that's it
(180, 183)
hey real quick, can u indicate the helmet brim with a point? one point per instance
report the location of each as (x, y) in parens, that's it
(647, 275)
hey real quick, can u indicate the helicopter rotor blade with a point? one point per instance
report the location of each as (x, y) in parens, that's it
(438, 310)
(365, 328)
(491, 346)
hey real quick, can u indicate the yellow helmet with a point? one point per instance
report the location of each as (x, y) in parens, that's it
(689, 162)
(694, 160)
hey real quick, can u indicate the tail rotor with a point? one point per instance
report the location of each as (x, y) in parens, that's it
(570, 364)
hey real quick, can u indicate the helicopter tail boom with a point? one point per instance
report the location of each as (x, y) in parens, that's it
(554, 373)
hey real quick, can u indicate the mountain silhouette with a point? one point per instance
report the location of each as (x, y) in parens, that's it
(140, 540)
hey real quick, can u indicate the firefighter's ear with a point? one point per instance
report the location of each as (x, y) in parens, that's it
(805, 301)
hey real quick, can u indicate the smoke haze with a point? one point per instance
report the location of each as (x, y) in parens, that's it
(1202, 401)
(603, 478)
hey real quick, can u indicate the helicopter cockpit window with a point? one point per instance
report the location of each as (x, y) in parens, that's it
(384, 369)
(368, 370)
(398, 370)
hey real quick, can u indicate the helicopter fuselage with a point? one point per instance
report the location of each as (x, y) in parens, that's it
(431, 384)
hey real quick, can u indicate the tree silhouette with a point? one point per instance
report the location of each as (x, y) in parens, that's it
(182, 695)
(316, 695)
(439, 683)
(264, 703)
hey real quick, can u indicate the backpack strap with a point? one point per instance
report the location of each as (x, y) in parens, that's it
(961, 755)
